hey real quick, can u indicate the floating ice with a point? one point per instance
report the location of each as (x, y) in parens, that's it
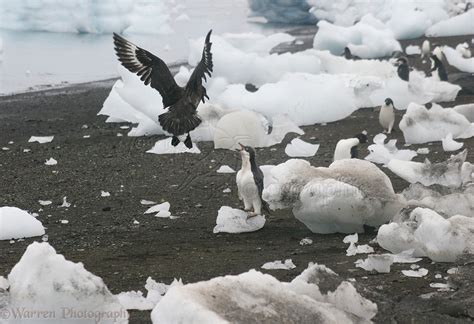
(231, 220)
(415, 273)
(382, 153)
(225, 169)
(162, 210)
(278, 265)
(449, 144)
(300, 148)
(51, 161)
(456, 59)
(40, 139)
(457, 25)
(451, 173)
(376, 262)
(333, 199)
(16, 223)
(413, 50)
(420, 125)
(165, 147)
(368, 38)
(429, 234)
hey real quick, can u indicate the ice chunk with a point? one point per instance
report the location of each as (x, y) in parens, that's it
(333, 199)
(300, 148)
(65, 204)
(278, 265)
(376, 262)
(225, 169)
(45, 280)
(415, 273)
(451, 173)
(405, 257)
(45, 202)
(40, 139)
(423, 150)
(306, 241)
(381, 152)
(449, 144)
(147, 202)
(429, 234)
(457, 25)
(231, 220)
(226, 190)
(51, 161)
(413, 50)
(456, 59)
(162, 210)
(16, 223)
(104, 193)
(165, 147)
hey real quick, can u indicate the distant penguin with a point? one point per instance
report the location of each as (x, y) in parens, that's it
(403, 69)
(387, 116)
(348, 55)
(438, 66)
(250, 183)
(347, 148)
(425, 50)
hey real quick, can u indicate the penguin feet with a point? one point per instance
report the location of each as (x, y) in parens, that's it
(188, 142)
(174, 141)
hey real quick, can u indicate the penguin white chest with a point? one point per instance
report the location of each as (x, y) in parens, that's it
(246, 185)
(387, 118)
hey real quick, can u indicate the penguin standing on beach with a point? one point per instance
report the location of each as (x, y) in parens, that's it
(437, 65)
(347, 148)
(250, 183)
(180, 103)
(425, 50)
(403, 69)
(387, 116)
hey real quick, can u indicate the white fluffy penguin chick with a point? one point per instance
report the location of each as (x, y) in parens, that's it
(387, 116)
(425, 50)
(347, 148)
(250, 182)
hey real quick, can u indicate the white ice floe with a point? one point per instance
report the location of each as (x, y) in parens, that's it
(231, 220)
(104, 193)
(421, 272)
(51, 161)
(225, 169)
(421, 125)
(155, 291)
(376, 262)
(45, 202)
(456, 59)
(165, 147)
(40, 139)
(162, 210)
(353, 248)
(368, 38)
(451, 173)
(333, 199)
(45, 280)
(226, 300)
(457, 25)
(16, 223)
(278, 265)
(413, 50)
(449, 144)
(429, 234)
(300, 148)
(381, 152)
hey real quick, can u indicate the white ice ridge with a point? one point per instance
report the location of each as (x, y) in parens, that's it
(453, 172)
(231, 220)
(333, 199)
(317, 295)
(299, 148)
(455, 59)
(381, 152)
(16, 223)
(428, 234)
(45, 280)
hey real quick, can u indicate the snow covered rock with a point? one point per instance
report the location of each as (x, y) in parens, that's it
(16, 223)
(456, 59)
(231, 220)
(429, 234)
(369, 38)
(342, 198)
(300, 148)
(420, 125)
(451, 173)
(45, 280)
(381, 152)
(457, 25)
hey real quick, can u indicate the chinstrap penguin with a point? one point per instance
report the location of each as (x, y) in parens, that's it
(250, 183)
(180, 103)
(347, 148)
(387, 116)
(437, 65)
(403, 70)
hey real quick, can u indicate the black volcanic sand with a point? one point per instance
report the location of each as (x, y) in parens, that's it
(101, 232)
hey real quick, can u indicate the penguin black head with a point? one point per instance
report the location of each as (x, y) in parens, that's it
(247, 151)
(362, 137)
(402, 60)
(388, 102)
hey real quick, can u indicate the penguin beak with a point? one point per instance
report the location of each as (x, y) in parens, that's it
(241, 148)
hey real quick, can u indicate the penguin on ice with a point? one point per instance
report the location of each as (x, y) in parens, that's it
(250, 183)
(437, 65)
(387, 116)
(347, 148)
(403, 69)
(180, 103)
